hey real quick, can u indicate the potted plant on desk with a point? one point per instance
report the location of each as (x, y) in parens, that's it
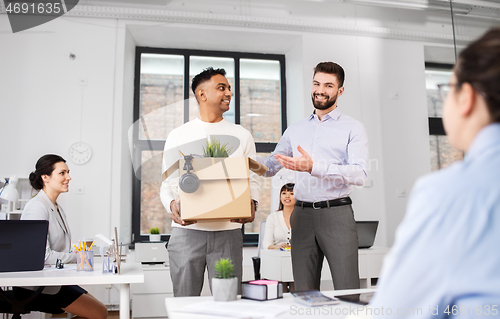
(154, 234)
(224, 284)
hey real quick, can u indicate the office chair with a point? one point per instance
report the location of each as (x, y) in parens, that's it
(9, 303)
(256, 259)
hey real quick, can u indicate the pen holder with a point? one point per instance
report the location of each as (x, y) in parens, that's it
(85, 261)
(108, 266)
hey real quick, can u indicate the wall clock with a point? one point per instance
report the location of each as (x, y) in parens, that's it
(80, 153)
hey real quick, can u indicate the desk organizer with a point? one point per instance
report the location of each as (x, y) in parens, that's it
(108, 259)
(85, 261)
(262, 290)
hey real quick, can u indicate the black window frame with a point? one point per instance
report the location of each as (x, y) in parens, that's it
(155, 145)
(436, 126)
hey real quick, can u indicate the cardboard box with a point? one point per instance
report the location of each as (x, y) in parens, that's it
(224, 191)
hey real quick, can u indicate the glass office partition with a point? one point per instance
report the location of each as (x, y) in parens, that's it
(468, 22)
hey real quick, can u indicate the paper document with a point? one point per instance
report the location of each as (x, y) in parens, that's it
(242, 309)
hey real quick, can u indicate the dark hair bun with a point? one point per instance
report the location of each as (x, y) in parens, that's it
(36, 183)
(44, 166)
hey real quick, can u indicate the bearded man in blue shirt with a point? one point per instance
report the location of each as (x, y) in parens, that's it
(329, 152)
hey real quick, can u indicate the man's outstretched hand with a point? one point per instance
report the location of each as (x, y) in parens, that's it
(303, 163)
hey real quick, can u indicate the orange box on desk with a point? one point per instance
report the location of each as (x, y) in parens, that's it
(224, 191)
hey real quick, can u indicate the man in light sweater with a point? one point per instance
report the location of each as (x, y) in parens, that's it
(194, 246)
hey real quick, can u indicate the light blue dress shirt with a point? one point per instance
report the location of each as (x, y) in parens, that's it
(338, 146)
(446, 256)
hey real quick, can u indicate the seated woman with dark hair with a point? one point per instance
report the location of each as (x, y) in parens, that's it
(277, 233)
(51, 178)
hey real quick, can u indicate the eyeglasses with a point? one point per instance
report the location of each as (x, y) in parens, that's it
(444, 89)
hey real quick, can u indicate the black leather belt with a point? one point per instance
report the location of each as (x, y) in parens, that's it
(327, 203)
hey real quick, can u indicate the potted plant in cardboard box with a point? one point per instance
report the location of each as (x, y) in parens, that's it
(224, 284)
(154, 234)
(214, 148)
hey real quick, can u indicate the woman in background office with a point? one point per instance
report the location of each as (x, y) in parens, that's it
(277, 233)
(51, 178)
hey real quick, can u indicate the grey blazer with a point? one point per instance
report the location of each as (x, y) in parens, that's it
(59, 237)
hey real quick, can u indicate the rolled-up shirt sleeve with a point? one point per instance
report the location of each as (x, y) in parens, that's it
(283, 148)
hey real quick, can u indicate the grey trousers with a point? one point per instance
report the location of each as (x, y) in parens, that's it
(191, 251)
(326, 232)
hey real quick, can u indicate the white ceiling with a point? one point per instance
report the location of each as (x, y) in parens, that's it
(142, 3)
(489, 9)
(423, 20)
(193, 37)
(408, 4)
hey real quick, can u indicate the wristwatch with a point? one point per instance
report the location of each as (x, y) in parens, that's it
(256, 204)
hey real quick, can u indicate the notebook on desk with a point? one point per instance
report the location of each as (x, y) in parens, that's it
(22, 244)
(366, 233)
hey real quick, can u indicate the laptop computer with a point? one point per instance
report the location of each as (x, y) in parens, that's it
(22, 244)
(366, 233)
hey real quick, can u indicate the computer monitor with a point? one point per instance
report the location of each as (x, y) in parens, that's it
(22, 244)
(366, 233)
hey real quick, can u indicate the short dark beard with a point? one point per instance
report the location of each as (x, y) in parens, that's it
(329, 103)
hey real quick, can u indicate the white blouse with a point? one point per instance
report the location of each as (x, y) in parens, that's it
(276, 230)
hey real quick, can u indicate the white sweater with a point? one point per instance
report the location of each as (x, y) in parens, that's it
(181, 138)
(276, 230)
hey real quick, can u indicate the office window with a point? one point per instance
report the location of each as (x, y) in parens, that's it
(164, 100)
(442, 153)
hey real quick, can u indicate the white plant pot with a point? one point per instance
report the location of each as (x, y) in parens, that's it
(154, 237)
(225, 289)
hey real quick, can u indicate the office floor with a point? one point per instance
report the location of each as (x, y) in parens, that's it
(111, 315)
(36, 315)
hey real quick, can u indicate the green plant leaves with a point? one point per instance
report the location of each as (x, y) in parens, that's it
(214, 148)
(224, 269)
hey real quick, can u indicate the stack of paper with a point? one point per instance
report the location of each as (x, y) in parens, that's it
(236, 309)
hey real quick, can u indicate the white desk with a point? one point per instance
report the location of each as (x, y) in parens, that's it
(176, 307)
(277, 265)
(130, 273)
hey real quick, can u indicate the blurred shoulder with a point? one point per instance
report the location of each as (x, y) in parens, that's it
(36, 208)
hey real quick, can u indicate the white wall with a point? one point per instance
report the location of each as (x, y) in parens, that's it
(40, 99)
(44, 110)
(402, 150)
(123, 117)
